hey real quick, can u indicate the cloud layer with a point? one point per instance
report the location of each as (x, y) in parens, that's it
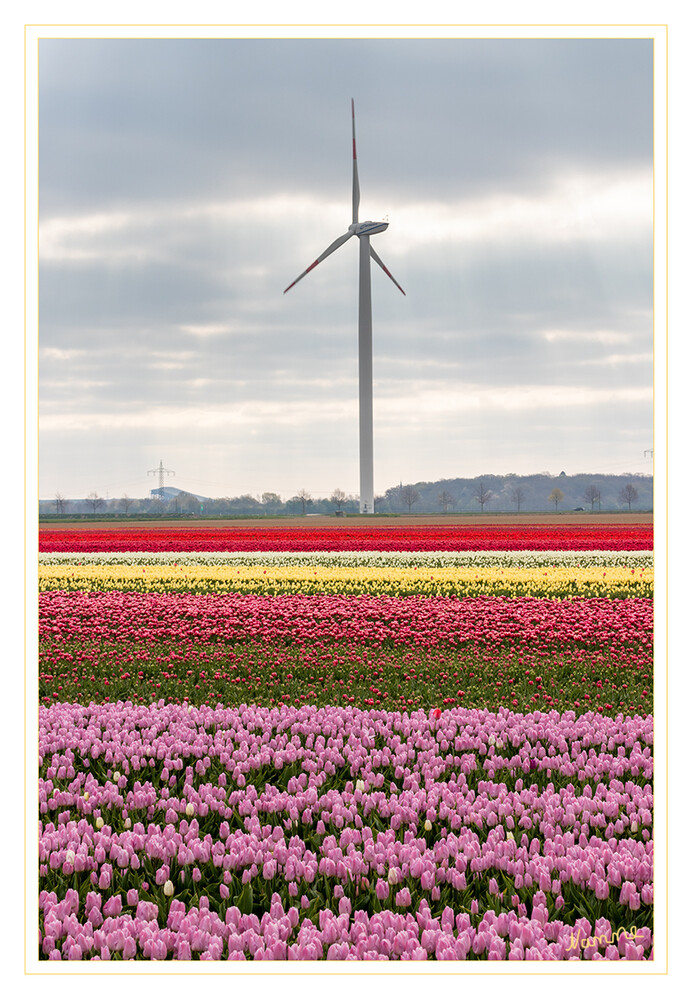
(184, 184)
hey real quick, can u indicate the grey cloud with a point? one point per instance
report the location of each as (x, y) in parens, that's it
(162, 132)
(166, 117)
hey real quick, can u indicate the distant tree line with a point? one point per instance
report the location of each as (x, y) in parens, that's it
(184, 504)
(521, 494)
(510, 493)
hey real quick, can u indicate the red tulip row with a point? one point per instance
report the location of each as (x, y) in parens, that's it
(493, 537)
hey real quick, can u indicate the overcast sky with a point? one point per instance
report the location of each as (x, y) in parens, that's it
(185, 184)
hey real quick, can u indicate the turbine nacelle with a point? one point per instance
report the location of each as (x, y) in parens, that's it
(367, 228)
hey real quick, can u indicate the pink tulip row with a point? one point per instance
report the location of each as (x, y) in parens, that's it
(459, 856)
(133, 928)
(251, 736)
(401, 807)
(299, 618)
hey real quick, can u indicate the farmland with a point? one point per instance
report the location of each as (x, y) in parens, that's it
(414, 742)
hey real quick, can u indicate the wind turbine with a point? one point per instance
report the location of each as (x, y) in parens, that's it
(363, 230)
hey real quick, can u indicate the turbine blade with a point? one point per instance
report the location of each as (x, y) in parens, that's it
(389, 275)
(330, 249)
(356, 186)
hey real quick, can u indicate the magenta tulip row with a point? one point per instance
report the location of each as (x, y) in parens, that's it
(404, 621)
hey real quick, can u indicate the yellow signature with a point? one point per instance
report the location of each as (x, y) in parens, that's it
(602, 939)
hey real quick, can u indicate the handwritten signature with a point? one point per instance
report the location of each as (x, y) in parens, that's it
(602, 939)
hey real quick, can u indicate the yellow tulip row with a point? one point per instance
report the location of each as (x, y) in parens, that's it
(556, 582)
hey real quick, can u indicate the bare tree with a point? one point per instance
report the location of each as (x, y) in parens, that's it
(482, 495)
(592, 495)
(445, 500)
(628, 495)
(304, 496)
(60, 503)
(409, 496)
(556, 496)
(338, 497)
(125, 503)
(518, 495)
(94, 501)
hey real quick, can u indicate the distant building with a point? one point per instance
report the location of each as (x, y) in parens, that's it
(170, 492)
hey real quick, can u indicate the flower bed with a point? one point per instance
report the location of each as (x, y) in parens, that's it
(555, 582)
(165, 829)
(291, 744)
(362, 559)
(409, 652)
(490, 537)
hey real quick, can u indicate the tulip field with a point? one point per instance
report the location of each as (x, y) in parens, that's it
(303, 744)
(490, 537)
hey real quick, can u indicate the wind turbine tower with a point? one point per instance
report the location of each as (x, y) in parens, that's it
(363, 230)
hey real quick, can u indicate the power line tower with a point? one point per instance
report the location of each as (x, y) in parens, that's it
(161, 471)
